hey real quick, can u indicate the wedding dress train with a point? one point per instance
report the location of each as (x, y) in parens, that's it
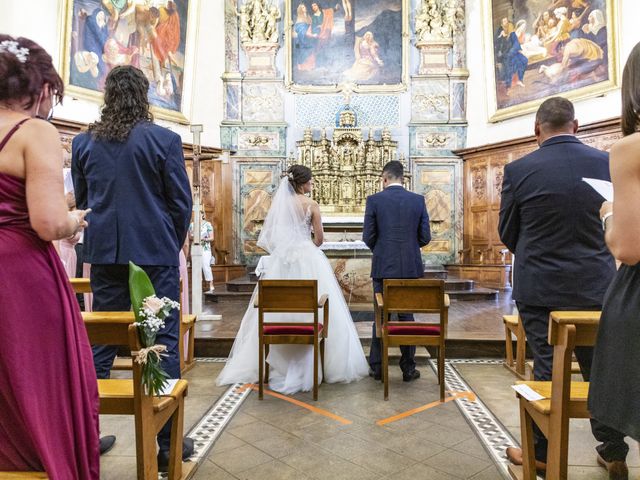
(293, 256)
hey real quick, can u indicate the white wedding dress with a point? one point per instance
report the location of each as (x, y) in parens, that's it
(293, 256)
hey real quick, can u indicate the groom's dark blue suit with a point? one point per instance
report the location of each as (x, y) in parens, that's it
(396, 226)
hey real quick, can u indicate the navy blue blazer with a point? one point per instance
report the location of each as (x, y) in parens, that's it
(139, 193)
(396, 226)
(549, 218)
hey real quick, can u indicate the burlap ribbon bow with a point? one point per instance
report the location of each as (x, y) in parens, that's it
(143, 353)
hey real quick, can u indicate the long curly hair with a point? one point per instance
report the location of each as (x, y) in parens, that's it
(125, 104)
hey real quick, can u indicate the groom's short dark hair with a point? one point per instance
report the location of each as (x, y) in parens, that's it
(393, 169)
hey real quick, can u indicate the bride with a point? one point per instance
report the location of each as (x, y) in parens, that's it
(295, 255)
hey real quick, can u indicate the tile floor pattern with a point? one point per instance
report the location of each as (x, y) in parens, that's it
(275, 439)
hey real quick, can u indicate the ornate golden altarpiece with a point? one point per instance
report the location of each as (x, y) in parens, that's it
(347, 167)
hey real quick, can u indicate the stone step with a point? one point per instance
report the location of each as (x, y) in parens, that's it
(222, 294)
(438, 273)
(458, 285)
(478, 293)
(241, 285)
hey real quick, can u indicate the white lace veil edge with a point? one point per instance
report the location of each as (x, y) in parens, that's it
(284, 224)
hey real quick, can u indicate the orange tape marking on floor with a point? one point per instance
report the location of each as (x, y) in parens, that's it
(311, 408)
(468, 395)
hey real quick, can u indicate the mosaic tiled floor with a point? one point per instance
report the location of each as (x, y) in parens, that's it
(239, 437)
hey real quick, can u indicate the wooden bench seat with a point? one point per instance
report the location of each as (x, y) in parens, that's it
(577, 398)
(187, 325)
(22, 475)
(127, 397)
(564, 399)
(513, 325)
(575, 367)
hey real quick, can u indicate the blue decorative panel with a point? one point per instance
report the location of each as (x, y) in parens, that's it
(254, 141)
(372, 110)
(458, 102)
(256, 182)
(436, 140)
(439, 182)
(232, 102)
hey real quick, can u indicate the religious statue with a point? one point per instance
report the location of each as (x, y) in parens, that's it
(258, 22)
(439, 19)
(258, 27)
(245, 32)
(271, 34)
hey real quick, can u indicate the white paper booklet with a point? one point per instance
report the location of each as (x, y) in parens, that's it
(604, 188)
(527, 392)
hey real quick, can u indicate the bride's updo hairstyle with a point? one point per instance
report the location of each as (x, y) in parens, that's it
(25, 67)
(298, 175)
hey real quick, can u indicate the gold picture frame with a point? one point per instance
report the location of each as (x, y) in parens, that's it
(548, 75)
(338, 86)
(186, 54)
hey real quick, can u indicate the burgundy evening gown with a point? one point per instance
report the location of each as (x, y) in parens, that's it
(48, 390)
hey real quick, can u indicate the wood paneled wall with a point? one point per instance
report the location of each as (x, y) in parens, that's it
(483, 171)
(216, 186)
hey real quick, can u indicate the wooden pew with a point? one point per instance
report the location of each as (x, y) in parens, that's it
(23, 475)
(563, 400)
(127, 397)
(187, 324)
(513, 325)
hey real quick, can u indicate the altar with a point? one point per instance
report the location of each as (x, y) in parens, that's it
(347, 165)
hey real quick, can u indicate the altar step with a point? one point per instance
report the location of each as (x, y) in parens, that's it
(241, 289)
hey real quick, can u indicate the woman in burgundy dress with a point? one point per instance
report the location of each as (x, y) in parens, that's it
(48, 388)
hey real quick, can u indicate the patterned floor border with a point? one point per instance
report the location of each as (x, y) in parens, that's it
(212, 424)
(493, 435)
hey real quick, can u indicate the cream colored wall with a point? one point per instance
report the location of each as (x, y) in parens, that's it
(39, 20)
(587, 111)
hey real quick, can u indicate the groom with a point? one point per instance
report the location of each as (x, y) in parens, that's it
(396, 226)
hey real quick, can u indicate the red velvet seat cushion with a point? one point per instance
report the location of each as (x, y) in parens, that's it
(414, 329)
(290, 329)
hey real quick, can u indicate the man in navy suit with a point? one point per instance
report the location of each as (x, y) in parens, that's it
(549, 218)
(396, 226)
(131, 173)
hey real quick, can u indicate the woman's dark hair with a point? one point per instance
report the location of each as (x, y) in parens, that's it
(631, 93)
(298, 175)
(125, 104)
(24, 80)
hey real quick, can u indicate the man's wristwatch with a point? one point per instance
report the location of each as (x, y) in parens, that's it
(604, 220)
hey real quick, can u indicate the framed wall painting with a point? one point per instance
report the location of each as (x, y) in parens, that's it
(535, 49)
(157, 36)
(361, 43)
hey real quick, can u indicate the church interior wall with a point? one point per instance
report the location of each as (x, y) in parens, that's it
(590, 110)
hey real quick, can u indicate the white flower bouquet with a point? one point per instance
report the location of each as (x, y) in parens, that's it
(150, 312)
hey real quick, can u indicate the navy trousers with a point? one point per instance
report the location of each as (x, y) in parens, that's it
(535, 321)
(110, 287)
(407, 360)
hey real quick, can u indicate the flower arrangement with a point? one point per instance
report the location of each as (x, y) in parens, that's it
(150, 312)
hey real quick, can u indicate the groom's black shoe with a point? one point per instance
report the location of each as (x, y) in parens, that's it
(163, 456)
(375, 373)
(411, 376)
(106, 443)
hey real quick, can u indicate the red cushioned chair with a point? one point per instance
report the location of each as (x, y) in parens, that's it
(412, 296)
(290, 296)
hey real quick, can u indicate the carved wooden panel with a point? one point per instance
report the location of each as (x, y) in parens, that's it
(483, 175)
